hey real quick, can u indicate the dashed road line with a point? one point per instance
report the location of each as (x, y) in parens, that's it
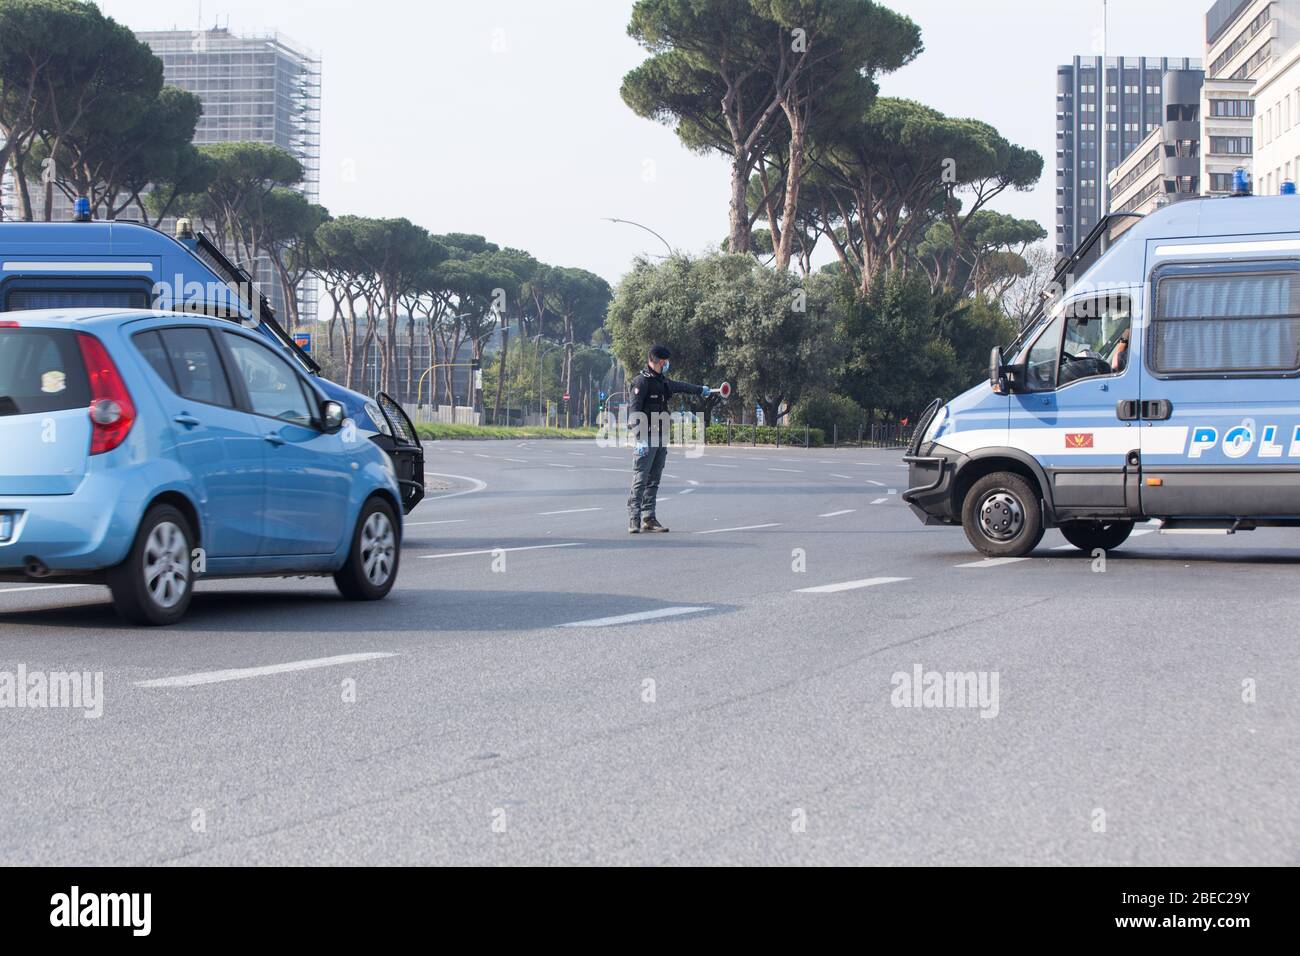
(849, 585)
(43, 587)
(710, 465)
(531, 547)
(242, 673)
(639, 616)
(417, 524)
(836, 514)
(990, 563)
(788, 471)
(748, 527)
(556, 465)
(569, 511)
(880, 501)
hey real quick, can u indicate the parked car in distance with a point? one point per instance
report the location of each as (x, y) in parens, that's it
(145, 450)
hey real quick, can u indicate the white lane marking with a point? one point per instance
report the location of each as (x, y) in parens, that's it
(417, 524)
(847, 477)
(554, 465)
(640, 616)
(878, 484)
(618, 471)
(569, 511)
(880, 501)
(478, 486)
(42, 587)
(991, 563)
(691, 481)
(240, 673)
(477, 455)
(522, 461)
(531, 547)
(708, 465)
(836, 514)
(849, 585)
(686, 491)
(577, 454)
(748, 527)
(788, 471)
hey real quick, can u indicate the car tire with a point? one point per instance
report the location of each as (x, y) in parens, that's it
(371, 567)
(155, 583)
(1003, 516)
(1091, 535)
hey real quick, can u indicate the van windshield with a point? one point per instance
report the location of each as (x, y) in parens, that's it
(41, 371)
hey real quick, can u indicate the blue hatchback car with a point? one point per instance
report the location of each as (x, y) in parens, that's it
(144, 450)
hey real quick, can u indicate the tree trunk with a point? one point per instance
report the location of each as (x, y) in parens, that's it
(794, 175)
(739, 206)
(501, 372)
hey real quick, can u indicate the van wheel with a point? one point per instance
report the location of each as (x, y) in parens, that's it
(1091, 535)
(1002, 516)
(371, 567)
(153, 586)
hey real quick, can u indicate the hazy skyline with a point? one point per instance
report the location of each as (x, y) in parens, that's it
(502, 117)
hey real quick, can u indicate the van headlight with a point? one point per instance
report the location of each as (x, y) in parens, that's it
(936, 425)
(378, 419)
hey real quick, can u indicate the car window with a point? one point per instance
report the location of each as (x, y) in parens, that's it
(150, 346)
(196, 366)
(1040, 365)
(1096, 339)
(41, 370)
(273, 388)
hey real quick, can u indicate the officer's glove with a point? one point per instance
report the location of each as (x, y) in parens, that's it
(705, 391)
(641, 449)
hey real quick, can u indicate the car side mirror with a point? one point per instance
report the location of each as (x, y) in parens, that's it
(998, 380)
(331, 416)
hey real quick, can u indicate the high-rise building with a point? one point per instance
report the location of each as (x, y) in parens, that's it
(263, 89)
(1253, 48)
(1166, 166)
(1136, 108)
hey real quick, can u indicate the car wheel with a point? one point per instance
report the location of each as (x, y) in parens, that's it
(1002, 516)
(153, 586)
(1091, 535)
(371, 566)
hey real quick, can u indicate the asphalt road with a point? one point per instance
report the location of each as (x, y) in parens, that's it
(1144, 713)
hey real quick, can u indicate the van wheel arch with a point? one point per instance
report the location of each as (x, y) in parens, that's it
(995, 460)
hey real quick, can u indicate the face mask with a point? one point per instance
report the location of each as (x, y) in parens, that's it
(665, 368)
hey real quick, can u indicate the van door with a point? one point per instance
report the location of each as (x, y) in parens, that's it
(1220, 418)
(1077, 381)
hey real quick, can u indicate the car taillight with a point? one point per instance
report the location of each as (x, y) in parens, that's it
(112, 413)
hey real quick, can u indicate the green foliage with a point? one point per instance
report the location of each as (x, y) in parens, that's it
(764, 435)
(827, 410)
(435, 432)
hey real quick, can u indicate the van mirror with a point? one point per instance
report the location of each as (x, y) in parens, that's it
(331, 416)
(998, 373)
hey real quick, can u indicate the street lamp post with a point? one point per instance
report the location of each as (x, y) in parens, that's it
(629, 222)
(1103, 205)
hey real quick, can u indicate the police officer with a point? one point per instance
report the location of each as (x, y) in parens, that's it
(651, 391)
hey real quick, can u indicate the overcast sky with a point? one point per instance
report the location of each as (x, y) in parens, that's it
(502, 117)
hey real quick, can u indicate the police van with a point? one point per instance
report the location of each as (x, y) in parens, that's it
(1163, 383)
(89, 264)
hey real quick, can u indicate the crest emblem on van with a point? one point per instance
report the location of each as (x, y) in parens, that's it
(1078, 439)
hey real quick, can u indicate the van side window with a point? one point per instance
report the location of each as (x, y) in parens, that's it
(197, 366)
(1096, 338)
(1043, 357)
(1242, 322)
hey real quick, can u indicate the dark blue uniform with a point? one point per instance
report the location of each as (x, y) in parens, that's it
(651, 392)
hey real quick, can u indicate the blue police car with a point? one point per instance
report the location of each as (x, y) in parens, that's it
(145, 450)
(1160, 382)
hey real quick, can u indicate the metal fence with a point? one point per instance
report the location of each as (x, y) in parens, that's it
(867, 435)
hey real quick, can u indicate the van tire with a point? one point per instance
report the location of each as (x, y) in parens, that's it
(155, 583)
(1003, 516)
(367, 576)
(1091, 535)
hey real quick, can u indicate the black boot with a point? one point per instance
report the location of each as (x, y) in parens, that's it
(652, 524)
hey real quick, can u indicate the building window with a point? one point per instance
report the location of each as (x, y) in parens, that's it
(1243, 108)
(1232, 145)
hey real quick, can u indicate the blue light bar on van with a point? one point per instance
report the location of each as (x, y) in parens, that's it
(1240, 182)
(1288, 188)
(81, 210)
